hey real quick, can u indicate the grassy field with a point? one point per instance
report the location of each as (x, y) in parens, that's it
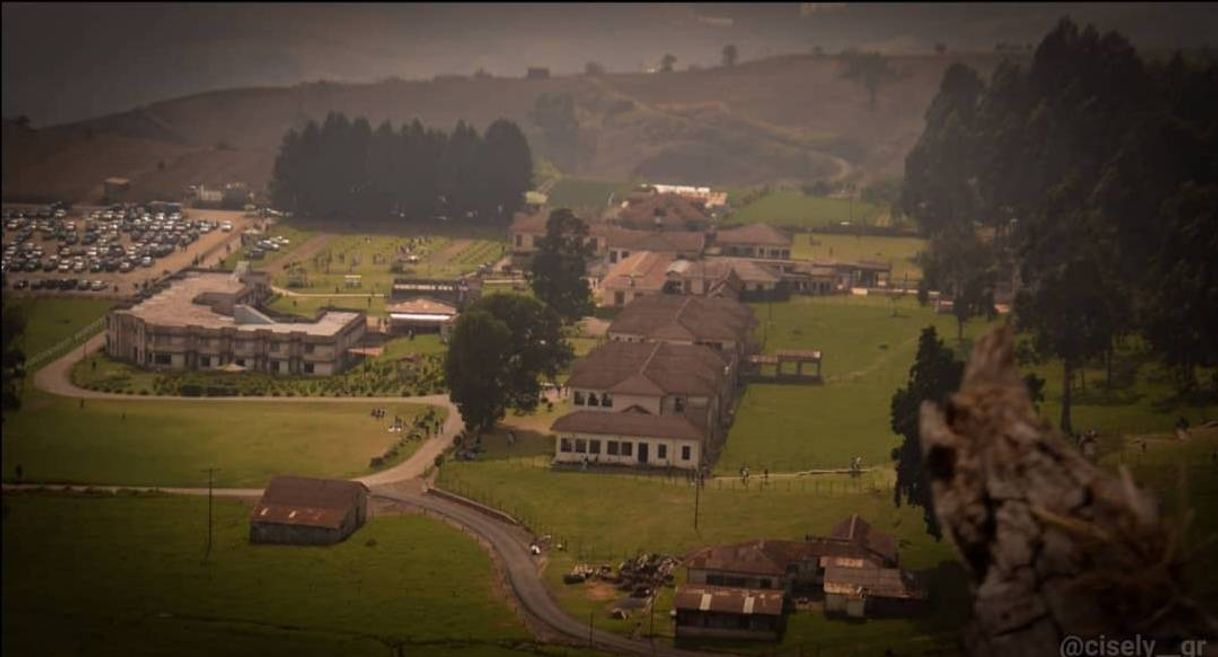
(50, 321)
(295, 234)
(899, 251)
(796, 209)
(585, 193)
(373, 304)
(123, 575)
(168, 443)
(603, 518)
(371, 257)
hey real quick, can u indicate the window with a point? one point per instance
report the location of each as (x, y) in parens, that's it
(161, 359)
(519, 240)
(579, 398)
(612, 257)
(581, 446)
(678, 404)
(685, 452)
(592, 400)
(625, 254)
(765, 583)
(594, 447)
(204, 361)
(606, 400)
(612, 448)
(627, 449)
(661, 451)
(308, 368)
(564, 445)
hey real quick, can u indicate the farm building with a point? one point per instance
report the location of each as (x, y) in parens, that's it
(863, 592)
(307, 511)
(729, 613)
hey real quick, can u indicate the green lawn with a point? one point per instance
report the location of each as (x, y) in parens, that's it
(168, 443)
(603, 518)
(587, 194)
(50, 321)
(796, 209)
(898, 251)
(373, 304)
(371, 256)
(297, 235)
(123, 575)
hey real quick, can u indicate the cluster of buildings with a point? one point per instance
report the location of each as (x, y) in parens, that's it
(659, 392)
(665, 240)
(746, 590)
(213, 320)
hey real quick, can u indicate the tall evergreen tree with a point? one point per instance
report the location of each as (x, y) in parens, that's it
(507, 168)
(934, 375)
(559, 267)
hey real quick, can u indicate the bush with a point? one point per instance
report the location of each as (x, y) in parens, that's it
(190, 390)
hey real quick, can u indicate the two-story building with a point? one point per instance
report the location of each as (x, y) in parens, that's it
(204, 319)
(754, 241)
(645, 404)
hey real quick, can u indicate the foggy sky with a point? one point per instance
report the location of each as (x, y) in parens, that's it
(65, 62)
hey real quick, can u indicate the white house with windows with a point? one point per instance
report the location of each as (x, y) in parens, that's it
(644, 404)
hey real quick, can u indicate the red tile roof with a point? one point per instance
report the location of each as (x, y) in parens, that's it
(676, 241)
(678, 317)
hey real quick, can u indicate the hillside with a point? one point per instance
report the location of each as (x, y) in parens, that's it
(785, 119)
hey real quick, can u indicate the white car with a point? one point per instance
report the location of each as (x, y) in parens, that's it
(226, 227)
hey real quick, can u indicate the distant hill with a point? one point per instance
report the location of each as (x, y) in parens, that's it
(784, 119)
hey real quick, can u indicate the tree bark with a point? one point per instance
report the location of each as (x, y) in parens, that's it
(1055, 546)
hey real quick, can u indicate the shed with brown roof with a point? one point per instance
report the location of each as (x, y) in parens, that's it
(308, 511)
(727, 613)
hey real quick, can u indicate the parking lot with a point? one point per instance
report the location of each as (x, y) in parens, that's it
(109, 251)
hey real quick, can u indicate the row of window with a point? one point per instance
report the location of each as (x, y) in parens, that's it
(614, 448)
(238, 345)
(604, 400)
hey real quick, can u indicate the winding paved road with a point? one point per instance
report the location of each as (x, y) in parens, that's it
(522, 570)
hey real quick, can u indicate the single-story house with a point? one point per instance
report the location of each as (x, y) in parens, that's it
(308, 511)
(729, 613)
(421, 315)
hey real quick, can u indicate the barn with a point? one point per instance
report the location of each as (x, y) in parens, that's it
(307, 511)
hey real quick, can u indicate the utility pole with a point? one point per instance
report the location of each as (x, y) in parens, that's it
(697, 501)
(210, 475)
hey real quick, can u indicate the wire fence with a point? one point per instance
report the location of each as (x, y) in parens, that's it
(64, 346)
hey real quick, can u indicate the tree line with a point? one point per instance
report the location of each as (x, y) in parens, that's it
(1090, 176)
(344, 168)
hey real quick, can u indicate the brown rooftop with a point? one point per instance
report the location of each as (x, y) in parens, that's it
(675, 317)
(422, 305)
(644, 271)
(677, 241)
(861, 532)
(728, 600)
(675, 212)
(872, 582)
(754, 234)
(758, 557)
(650, 368)
(307, 501)
(629, 423)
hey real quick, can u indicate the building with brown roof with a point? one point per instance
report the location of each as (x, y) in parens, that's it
(863, 592)
(421, 315)
(308, 511)
(723, 324)
(528, 229)
(754, 241)
(622, 242)
(669, 212)
(729, 613)
(860, 532)
(642, 273)
(644, 404)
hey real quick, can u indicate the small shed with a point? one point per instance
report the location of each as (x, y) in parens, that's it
(116, 189)
(716, 612)
(308, 511)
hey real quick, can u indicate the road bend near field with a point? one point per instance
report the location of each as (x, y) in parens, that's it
(522, 571)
